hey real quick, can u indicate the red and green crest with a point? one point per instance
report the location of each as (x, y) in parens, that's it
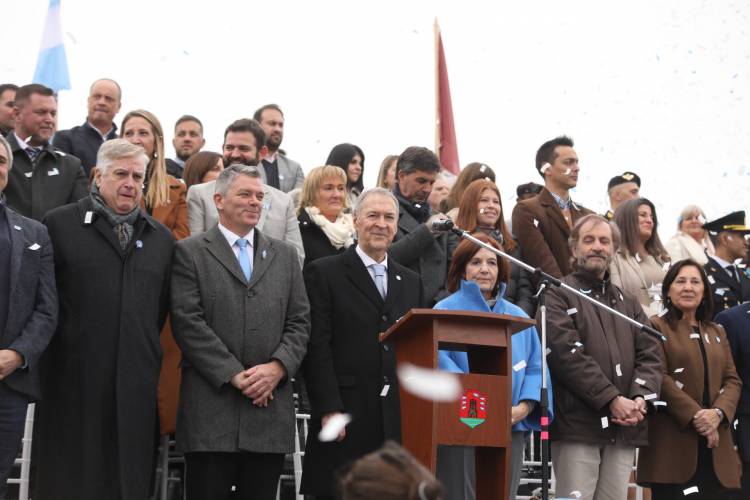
(473, 408)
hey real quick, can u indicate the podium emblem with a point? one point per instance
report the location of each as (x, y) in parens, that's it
(473, 408)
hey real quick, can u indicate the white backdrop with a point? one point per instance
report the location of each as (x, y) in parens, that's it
(660, 88)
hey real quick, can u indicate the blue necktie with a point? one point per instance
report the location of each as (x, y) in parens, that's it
(244, 258)
(33, 152)
(379, 272)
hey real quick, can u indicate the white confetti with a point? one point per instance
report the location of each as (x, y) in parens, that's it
(702, 219)
(384, 391)
(567, 171)
(679, 384)
(663, 312)
(721, 391)
(578, 344)
(545, 167)
(536, 223)
(35, 246)
(720, 292)
(705, 336)
(649, 397)
(618, 370)
(621, 298)
(572, 351)
(718, 340)
(572, 311)
(690, 491)
(637, 257)
(734, 424)
(665, 266)
(429, 384)
(605, 422)
(519, 366)
(87, 217)
(576, 494)
(694, 336)
(334, 426)
(546, 353)
(640, 381)
(711, 280)
(659, 403)
(679, 370)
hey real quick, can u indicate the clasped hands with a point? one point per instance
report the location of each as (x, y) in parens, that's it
(258, 382)
(627, 412)
(706, 423)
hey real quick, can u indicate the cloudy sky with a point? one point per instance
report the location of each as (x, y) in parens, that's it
(660, 88)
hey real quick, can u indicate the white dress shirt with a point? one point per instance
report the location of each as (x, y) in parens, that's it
(232, 240)
(369, 261)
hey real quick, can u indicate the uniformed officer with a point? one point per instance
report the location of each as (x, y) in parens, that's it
(729, 282)
(622, 188)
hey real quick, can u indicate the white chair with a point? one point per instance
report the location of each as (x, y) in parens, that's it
(300, 438)
(25, 460)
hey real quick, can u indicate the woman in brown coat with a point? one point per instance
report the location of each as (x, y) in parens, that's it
(165, 200)
(690, 448)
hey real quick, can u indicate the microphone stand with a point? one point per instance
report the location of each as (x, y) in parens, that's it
(546, 280)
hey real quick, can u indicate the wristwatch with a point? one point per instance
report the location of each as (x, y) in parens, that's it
(721, 414)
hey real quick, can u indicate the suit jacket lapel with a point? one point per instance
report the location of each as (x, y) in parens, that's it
(554, 212)
(395, 285)
(18, 241)
(360, 277)
(217, 246)
(263, 253)
(406, 222)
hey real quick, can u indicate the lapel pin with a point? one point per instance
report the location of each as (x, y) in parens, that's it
(263, 254)
(398, 277)
(35, 246)
(17, 228)
(54, 171)
(138, 244)
(87, 217)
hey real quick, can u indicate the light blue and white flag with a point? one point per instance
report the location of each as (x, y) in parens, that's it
(52, 65)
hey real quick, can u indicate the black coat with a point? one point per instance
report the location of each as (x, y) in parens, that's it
(82, 142)
(55, 179)
(346, 368)
(97, 422)
(314, 240)
(727, 292)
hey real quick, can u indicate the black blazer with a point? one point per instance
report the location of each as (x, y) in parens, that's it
(736, 322)
(727, 292)
(32, 300)
(314, 240)
(346, 368)
(82, 142)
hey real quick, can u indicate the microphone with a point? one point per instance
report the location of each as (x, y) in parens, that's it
(442, 225)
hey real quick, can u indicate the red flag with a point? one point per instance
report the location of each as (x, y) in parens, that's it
(445, 129)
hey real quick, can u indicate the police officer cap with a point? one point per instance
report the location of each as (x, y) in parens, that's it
(732, 222)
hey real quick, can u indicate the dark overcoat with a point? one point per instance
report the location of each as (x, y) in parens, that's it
(346, 368)
(96, 425)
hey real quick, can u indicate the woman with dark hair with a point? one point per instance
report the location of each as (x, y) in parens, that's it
(389, 473)
(639, 265)
(387, 173)
(477, 280)
(204, 166)
(469, 174)
(325, 228)
(481, 209)
(352, 160)
(690, 448)
(164, 198)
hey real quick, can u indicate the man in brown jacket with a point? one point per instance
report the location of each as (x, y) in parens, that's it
(542, 224)
(603, 371)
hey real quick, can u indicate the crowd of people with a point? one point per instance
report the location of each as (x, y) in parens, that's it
(142, 295)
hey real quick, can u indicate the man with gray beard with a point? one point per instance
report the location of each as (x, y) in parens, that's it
(603, 371)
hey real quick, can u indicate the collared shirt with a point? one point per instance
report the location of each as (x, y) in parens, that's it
(105, 137)
(232, 240)
(26, 146)
(724, 264)
(369, 261)
(563, 204)
(271, 158)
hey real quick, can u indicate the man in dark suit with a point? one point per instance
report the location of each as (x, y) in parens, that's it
(736, 322)
(43, 178)
(354, 296)
(542, 224)
(28, 315)
(188, 140)
(729, 283)
(83, 141)
(241, 318)
(278, 171)
(416, 244)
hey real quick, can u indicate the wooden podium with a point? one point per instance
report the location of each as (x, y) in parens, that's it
(481, 417)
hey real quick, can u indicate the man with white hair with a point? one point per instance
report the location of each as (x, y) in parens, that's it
(28, 314)
(99, 375)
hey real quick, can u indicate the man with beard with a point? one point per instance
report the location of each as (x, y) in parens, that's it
(42, 177)
(188, 140)
(278, 170)
(598, 423)
(417, 244)
(83, 141)
(243, 140)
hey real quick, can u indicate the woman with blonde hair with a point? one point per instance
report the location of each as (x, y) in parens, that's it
(164, 198)
(691, 241)
(387, 173)
(325, 228)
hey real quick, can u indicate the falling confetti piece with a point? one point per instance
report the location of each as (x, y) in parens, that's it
(618, 370)
(640, 381)
(519, 366)
(334, 426)
(429, 384)
(690, 491)
(572, 311)
(679, 384)
(605, 422)
(679, 370)
(649, 397)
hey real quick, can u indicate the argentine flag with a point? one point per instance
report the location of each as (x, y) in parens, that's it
(52, 65)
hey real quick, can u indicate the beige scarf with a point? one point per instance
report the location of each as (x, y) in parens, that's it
(339, 233)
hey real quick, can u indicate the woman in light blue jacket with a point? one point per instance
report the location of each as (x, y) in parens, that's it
(477, 279)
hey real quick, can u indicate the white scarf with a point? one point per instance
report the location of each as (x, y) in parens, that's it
(339, 233)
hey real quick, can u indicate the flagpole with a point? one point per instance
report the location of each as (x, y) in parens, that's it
(436, 29)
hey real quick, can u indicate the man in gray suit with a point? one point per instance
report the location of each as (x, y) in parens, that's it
(241, 317)
(278, 170)
(28, 316)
